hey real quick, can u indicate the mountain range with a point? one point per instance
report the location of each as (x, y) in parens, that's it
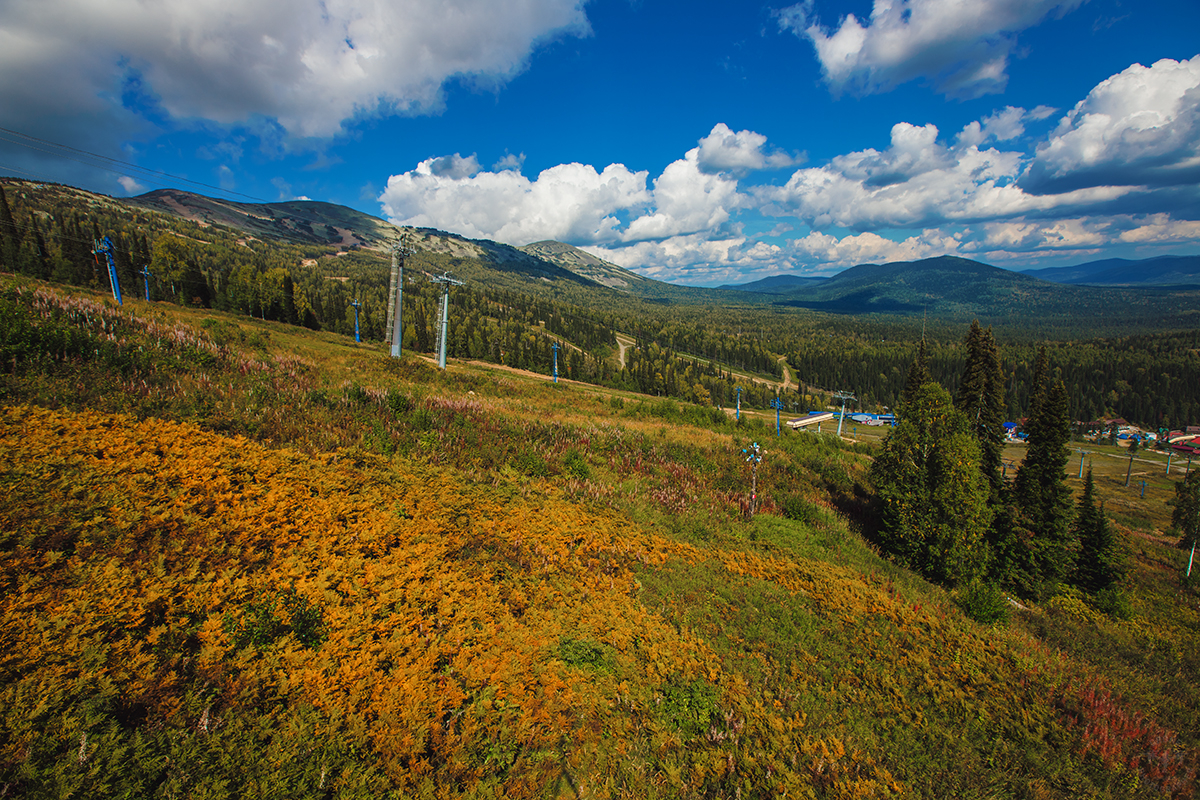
(1161, 271)
(1160, 291)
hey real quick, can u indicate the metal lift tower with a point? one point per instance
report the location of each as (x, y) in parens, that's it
(446, 281)
(400, 250)
(104, 247)
(843, 396)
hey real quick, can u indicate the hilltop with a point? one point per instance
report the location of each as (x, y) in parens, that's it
(950, 287)
(775, 284)
(296, 221)
(1161, 271)
(587, 265)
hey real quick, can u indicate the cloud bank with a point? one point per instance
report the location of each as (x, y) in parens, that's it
(1118, 168)
(307, 65)
(1139, 127)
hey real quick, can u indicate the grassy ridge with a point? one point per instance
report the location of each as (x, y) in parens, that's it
(239, 558)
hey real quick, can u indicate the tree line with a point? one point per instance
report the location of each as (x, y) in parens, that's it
(944, 507)
(1149, 379)
(47, 232)
(48, 237)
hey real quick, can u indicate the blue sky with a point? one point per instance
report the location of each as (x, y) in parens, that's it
(697, 142)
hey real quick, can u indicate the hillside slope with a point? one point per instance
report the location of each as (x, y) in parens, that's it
(297, 221)
(238, 554)
(584, 263)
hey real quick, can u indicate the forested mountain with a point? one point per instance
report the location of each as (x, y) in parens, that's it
(309, 262)
(1162, 271)
(776, 284)
(957, 288)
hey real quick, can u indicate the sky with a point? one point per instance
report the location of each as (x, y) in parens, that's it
(702, 143)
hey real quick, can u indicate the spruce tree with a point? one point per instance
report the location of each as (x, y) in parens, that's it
(1099, 564)
(39, 265)
(1041, 497)
(918, 374)
(934, 500)
(10, 237)
(1025, 488)
(981, 400)
(1185, 518)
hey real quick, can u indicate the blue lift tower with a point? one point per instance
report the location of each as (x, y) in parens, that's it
(104, 247)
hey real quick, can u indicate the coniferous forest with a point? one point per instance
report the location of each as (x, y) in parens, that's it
(690, 351)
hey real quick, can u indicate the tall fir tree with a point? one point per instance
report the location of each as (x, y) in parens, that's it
(918, 374)
(39, 265)
(1025, 490)
(1100, 563)
(1185, 518)
(10, 236)
(1041, 514)
(934, 500)
(75, 265)
(981, 400)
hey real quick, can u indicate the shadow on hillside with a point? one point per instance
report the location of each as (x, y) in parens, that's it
(864, 302)
(860, 507)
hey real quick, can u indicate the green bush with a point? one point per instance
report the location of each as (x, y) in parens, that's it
(397, 402)
(984, 603)
(691, 706)
(574, 464)
(583, 653)
(797, 508)
(1112, 602)
(356, 394)
(261, 625)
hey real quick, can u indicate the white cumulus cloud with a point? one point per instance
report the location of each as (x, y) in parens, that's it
(823, 251)
(130, 185)
(915, 182)
(961, 45)
(568, 202)
(686, 200)
(309, 65)
(1139, 127)
(917, 197)
(725, 151)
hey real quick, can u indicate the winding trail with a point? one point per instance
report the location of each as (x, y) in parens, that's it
(787, 374)
(624, 343)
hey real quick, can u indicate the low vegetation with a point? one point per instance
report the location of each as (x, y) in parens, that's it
(241, 558)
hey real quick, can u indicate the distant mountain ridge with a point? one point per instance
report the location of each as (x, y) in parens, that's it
(1160, 271)
(584, 263)
(774, 284)
(950, 287)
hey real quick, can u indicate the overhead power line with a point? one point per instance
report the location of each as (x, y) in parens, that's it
(108, 163)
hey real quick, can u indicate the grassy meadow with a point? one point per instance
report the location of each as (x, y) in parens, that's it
(245, 559)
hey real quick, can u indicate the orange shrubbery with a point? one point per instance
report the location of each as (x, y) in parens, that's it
(132, 545)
